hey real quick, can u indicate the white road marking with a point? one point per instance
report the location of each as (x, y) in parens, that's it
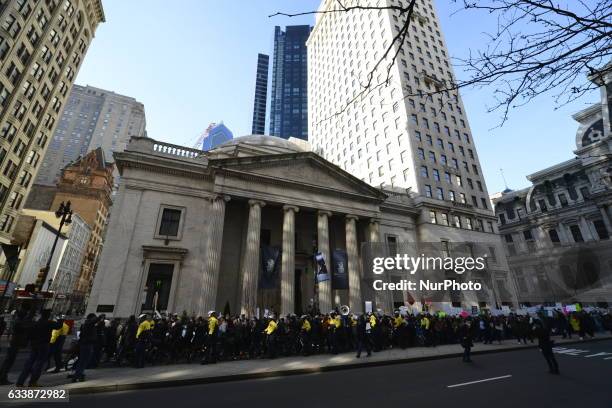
(603, 353)
(479, 381)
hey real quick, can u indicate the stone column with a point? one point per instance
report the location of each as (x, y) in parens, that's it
(563, 234)
(606, 220)
(383, 299)
(288, 264)
(210, 277)
(585, 227)
(353, 265)
(325, 292)
(250, 260)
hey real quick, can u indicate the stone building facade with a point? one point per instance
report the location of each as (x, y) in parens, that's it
(557, 231)
(188, 230)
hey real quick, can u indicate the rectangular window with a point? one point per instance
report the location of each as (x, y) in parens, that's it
(600, 227)
(554, 236)
(170, 221)
(576, 233)
(427, 191)
(432, 217)
(439, 193)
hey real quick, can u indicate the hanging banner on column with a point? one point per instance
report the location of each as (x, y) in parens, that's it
(340, 269)
(269, 267)
(322, 274)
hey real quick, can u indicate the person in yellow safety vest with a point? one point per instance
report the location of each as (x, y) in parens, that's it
(305, 335)
(372, 321)
(333, 333)
(398, 321)
(575, 324)
(58, 337)
(425, 322)
(142, 335)
(271, 337)
(336, 321)
(211, 344)
(146, 325)
(306, 325)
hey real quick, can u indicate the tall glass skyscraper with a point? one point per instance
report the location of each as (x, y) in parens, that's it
(289, 99)
(261, 95)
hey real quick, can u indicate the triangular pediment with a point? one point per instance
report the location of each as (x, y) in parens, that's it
(302, 168)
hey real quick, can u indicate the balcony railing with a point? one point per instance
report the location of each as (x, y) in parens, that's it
(174, 150)
(147, 145)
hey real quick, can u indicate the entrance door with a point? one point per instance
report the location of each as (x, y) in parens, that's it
(159, 282)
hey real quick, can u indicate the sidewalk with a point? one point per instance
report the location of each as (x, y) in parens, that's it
(127, 378)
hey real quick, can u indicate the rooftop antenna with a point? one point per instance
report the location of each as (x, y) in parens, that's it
(501, 171)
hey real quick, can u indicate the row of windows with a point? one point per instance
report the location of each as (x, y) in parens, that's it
(452, 196)
(459, 221)
(575, 233)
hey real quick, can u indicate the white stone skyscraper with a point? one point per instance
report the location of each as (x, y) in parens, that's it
(390, 135)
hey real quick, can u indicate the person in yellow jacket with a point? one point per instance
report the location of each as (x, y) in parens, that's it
(575, 324)
(425, 322)
(144, 326)
(306, 324)
(211, 343)
(143, 333)
(305, 335)
(333, 332)
(398, 321)
(58, 337)
(372, 321)
(270, 332)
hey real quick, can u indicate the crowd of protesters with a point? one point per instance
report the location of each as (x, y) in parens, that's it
(153, 340)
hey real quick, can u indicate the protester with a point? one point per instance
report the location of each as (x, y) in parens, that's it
(87, 343)
(171, 339)
(20, 329)
(58, 338)
(40, 337)
(546, 344)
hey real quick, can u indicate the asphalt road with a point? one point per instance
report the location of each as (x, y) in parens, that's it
(515, 379)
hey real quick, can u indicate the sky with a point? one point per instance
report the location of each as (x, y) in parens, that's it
(194, 63)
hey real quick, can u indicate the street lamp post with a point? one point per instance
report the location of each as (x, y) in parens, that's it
(65, 213)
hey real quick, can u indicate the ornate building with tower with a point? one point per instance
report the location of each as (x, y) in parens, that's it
(87, 183)
(557, 231)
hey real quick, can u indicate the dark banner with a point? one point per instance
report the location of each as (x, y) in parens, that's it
(321, 271)
(340, 269)
(270, 257)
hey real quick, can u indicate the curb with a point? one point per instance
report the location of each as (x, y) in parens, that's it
(297, 371)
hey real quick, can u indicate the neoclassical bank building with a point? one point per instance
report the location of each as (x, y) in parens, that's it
(236, 228)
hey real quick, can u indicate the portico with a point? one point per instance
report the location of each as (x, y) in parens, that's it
(251, 201)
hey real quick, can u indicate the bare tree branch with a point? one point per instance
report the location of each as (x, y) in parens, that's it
(538, 47)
